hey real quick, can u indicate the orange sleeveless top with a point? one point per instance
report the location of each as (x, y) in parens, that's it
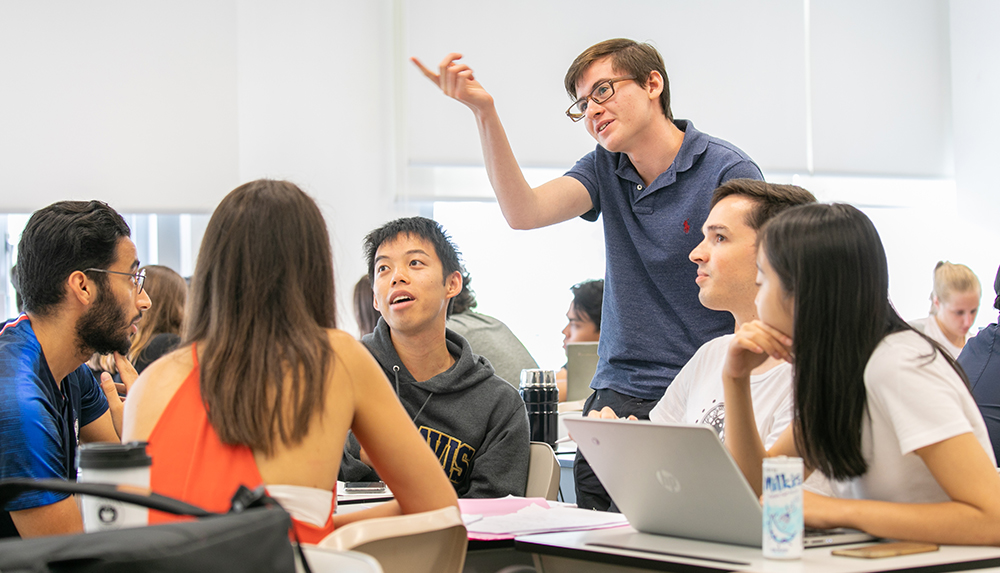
(191, 464)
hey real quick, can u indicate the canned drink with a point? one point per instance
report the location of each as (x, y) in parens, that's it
(783, 525)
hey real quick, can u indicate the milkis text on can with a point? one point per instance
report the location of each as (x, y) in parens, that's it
(783, 526)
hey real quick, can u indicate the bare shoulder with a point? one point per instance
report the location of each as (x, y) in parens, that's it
(169, 370)
(152, 392)
(347, 349)
(353, 363)
(340, 338)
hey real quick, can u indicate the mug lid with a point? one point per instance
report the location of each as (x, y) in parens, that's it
(538, 378)
(113, 456)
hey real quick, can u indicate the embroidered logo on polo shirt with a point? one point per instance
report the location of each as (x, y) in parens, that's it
(687, 227)
(454, 455)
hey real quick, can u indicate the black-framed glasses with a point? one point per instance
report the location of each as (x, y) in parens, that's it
(138, 277)
(601, 93)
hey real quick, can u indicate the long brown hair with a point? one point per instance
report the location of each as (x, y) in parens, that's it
(168, 292)
(261, 296)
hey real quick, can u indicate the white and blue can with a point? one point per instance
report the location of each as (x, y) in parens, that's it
(783, 525)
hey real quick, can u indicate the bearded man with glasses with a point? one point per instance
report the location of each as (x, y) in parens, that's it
(652, 177)
(80, 284)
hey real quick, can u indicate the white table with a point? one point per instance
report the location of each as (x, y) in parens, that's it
(590, 551)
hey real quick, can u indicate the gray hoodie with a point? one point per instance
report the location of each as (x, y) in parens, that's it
(474, 421)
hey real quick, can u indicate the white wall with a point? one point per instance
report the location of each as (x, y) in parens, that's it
(315, 107)
(132, 102)
(870, 78)
(164, 106)
(975, 76)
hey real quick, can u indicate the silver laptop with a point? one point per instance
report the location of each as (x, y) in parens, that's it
(581, 364)
(680, 480)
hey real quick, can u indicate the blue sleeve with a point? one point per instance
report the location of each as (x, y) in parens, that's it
(30, 442)
(981, 361)
(585, 171)
(93, 402)
(745, 169)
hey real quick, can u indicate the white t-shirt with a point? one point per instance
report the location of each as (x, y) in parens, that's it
(914, 400)
(696, 395)
(932, 329)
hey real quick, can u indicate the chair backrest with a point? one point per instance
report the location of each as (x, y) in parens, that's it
(432, 541)
(323, 560)
(543, 472)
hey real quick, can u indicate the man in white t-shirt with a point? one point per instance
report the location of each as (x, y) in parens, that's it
(727, 273)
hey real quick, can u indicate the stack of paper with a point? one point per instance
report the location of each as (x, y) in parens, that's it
(509, 517)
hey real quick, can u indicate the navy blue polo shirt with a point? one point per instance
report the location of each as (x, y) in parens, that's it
(980, 358)
(652, 321)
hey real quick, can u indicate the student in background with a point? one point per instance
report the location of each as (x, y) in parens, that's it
(17, 291)
(82, 291)
(364, 310)
(981, 360)
(881, 410)
(160, 328)
(473, 421)
(488, 336)
(267, 389)
(583, 322)
(954, 305)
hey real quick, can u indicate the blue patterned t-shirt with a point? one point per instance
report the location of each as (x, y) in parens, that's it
(40, 420)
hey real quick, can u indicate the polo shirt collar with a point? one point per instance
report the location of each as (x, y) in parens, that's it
(694, 145)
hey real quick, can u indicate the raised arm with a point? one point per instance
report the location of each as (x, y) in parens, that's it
(748, 349)
(524, 207)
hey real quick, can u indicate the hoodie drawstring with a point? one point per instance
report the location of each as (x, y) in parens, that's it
(395, 372)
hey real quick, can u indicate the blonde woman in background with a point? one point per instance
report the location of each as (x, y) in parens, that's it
(954, 305)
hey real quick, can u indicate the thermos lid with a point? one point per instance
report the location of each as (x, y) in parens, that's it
(538, 378)
(106, 456)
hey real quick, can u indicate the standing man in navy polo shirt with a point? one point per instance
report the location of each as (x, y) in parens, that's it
(652, 177)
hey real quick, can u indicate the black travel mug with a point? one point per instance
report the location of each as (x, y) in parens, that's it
(541, 399)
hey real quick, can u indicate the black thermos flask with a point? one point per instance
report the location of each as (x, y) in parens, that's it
(541, 398)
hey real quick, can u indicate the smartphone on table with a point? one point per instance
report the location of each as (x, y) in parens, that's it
(364, 487)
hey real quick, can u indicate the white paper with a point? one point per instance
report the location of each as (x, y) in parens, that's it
(535, 519)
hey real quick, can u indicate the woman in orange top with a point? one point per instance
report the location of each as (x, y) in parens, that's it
(264, 389)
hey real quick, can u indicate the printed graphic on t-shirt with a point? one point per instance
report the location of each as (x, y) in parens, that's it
(454, 455)
(716, 417)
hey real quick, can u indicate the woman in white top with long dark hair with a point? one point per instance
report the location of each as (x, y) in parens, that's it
(880, 409)
(954, 306)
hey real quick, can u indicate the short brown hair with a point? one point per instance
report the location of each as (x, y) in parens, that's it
(628, 57)
(769, 198)
(261, 296)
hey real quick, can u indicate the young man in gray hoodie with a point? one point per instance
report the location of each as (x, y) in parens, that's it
(474, 421)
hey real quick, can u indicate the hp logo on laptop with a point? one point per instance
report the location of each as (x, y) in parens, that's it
(668, 481)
